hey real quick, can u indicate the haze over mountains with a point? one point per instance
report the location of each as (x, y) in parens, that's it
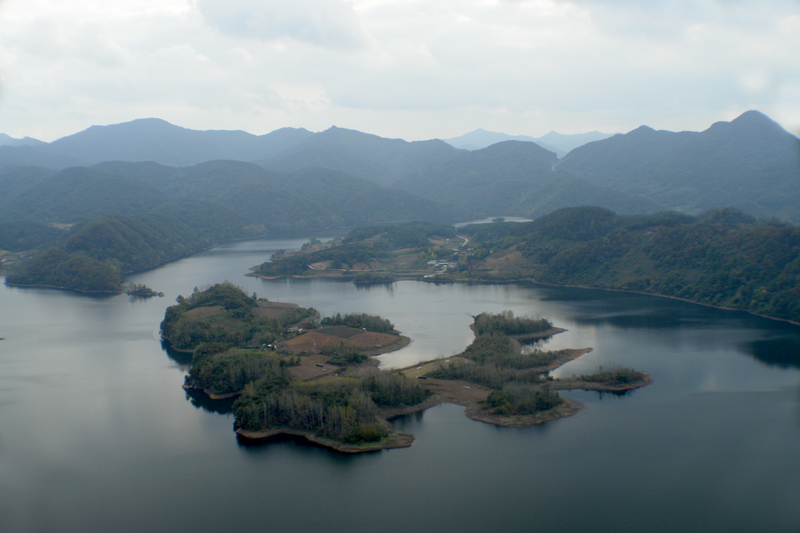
(557, 143)
(342, 176)
(750, 163)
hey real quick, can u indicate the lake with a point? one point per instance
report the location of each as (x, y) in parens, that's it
(96, 433)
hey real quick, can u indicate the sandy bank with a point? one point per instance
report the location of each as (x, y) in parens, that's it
(395, 440)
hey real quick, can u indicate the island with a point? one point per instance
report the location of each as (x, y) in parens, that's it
(293, 372)
(142, 291)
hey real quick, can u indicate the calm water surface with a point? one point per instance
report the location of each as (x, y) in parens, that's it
(96, 433)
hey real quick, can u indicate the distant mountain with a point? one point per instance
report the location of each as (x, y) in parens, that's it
(359, 201)
(35, 156)
(567, 143)
(557, 143)
(750, 163)
(374, 158)
(363, 155)
(481, 138)
(152, 140)
(14, 180)
(305, 199)
(78, 194)
(6, 140)
(514, 178)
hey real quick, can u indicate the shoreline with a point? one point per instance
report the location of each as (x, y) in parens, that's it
(628, 291)
(56, 287)
(577, 384)
(211, 395)
(395, 440)
(413, 277)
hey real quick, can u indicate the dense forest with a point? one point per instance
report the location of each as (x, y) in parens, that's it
(229, 318)
(345, 410)
(518, 378)
(95, 255)
(360, 320)
(508, 324)
(723, 257)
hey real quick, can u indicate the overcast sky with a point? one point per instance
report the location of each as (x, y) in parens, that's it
(397, 68)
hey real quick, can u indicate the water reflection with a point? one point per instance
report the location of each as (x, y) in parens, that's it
(184, 359)
(782, 351)
(387, 286)
(298, 442)
(201, 400)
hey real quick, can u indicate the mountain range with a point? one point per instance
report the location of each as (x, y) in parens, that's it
(558, 143)
(342, 176)
(750, 163)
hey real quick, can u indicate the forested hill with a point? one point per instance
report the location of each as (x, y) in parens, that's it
(170, 212)
(151, 139)
(723, 257)
(306, 199)
(515, 178)
(750, 163)
(366, 156)
(96, 255)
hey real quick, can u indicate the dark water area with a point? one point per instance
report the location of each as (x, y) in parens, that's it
(96, 433)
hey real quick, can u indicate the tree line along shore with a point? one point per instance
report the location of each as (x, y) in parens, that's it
(722, 258)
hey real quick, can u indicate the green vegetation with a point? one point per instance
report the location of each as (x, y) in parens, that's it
(360, 321)
(750, 163)
(517, 377)
(135, 289)
(492, 361)
(366, 245)
(410, 235)
(228, 371)
(614, 376)
(515, 178)
(721, 258)
(508, 324)
(520, 399)
(26, 235)
(344, 355)
(220, 322)
(57, 268)
(346, 410)
(97, 254)
(341, 257)
(225, 314)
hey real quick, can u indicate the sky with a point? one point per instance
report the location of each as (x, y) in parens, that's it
(397, 68)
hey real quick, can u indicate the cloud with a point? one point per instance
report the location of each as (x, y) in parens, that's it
(408, 68)
(330, 23)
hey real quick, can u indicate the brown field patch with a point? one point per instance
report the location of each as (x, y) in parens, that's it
(273, 309)
(205, 312)
(308, 370)
(343, 332)
(368, 340)
(459, 391)
(425, 368)
(311, 342)
(509, 261)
